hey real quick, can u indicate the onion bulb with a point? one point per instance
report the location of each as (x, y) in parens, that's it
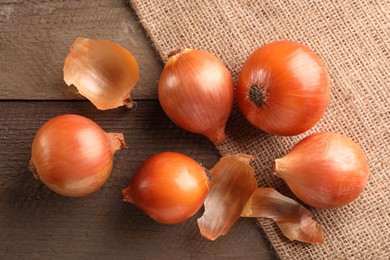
(283, 88)
(294, 220)
(72, 155)
(324, 170)
(169, 187)
(102, 71)
(196, 92)
(233, 183)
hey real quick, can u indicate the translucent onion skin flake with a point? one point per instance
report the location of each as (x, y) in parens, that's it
(102, 71)
(232, 184)
(294, 220)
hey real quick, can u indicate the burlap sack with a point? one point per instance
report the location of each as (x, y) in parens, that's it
(353, 39)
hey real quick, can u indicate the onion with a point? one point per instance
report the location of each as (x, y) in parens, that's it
(72, 155)
(102, 71)
(169, 187)
(196, 92)
(324, 170)
(283, 88)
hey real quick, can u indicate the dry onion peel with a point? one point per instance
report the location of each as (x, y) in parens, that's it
(232, 184)
(294, 220)
(102, 71)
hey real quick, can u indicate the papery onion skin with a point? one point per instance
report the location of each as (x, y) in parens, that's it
(102, 71)
(325, 170)
(233, 183)
(196, 92)
(283, 88)
(294, 220)
(169, 187)
(73, 156)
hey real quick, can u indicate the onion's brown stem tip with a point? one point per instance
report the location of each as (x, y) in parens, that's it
(117, 141)
(276, 167)
(33, 169)
(130, 104)
(126, 195)
(175, 52)
(219, 137)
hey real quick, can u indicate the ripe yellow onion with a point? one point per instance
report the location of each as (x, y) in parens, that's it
(73, 156)
(169, 187)
(196, 92)
(283, 88)
(102, 71)
(324, 170)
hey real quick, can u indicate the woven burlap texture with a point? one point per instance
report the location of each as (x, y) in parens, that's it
(353, 39)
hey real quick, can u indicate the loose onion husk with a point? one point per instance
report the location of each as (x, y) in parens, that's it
(169, 187)
(324, 170)
(73, 156)
(196, 92)
(102, 71)
(233, 183)
(294, 220)
(234, 194)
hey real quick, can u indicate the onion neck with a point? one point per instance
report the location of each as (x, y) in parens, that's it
(173, 55)
(218, 136)
(175, 52)
(126, 195)
(280, 167)
(116, 141)
(129, 103)
(33, 169)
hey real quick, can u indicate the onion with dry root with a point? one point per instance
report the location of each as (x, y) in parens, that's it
(196, 92)
(324, 170)
(283, 88)
(234, 193)
(102, 71)
(73, 156)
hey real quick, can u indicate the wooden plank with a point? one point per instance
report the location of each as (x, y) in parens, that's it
(36, 223)
(35, 39)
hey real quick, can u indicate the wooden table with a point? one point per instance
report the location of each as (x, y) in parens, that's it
(37, 223)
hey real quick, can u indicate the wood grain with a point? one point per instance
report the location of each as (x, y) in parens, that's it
(35, 39)
(35, 222)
